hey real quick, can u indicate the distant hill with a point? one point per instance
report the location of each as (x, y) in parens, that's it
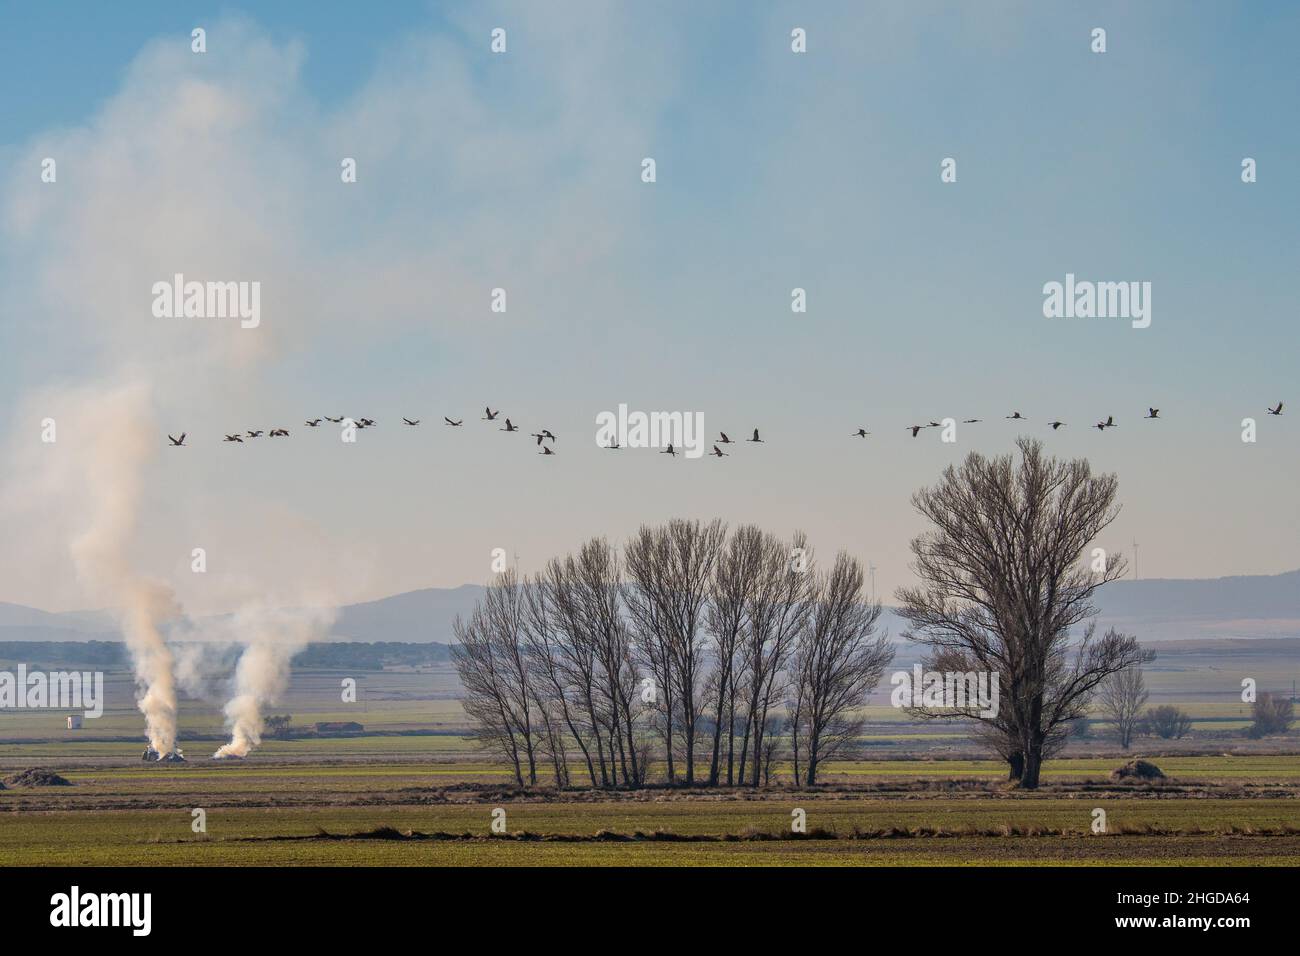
(1257, 606)
(414, 617)
(1250, 606)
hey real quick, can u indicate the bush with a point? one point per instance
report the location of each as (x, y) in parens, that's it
(1272, 714)
(1168, 722)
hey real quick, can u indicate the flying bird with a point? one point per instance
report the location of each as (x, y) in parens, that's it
(1276, 411)
(1056, 425)
(453, 424)
(278, 432)
(724, 440)
(255, 434)
(234, 438)
(509, 427)
(915, 429)
(669, 450)
(334, 420)
(409, 422)
(860, 433)
(1017, 416)
(312, 422)
(491, 415)
(755, 438)
(971, 421)
(177, 441)
(615, 446)
(1153, 413)
(719, 453)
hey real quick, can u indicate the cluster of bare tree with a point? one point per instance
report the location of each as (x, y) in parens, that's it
(1121, 698)
(701, 651)
(1124, 694)
(725, 649)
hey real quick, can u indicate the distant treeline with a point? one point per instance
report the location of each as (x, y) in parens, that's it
(357, 655)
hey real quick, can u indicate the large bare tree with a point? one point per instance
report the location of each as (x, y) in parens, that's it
(1004, 584)
(840, 659)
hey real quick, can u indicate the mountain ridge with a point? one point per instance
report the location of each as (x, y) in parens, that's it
(1250, 606)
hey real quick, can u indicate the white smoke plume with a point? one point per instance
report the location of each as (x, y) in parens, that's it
(262, 674)
(115, 439)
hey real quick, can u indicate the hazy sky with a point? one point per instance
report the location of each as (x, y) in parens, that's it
(522, 170)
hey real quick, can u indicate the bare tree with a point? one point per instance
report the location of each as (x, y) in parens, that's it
(839, 660)
(671, 568)
(503, 616)
(1003, 586)
(595, 578)
(490, 699)
(564, 653)
(1273, 714)
(779, 607)
(1122, 696)
(734, 577)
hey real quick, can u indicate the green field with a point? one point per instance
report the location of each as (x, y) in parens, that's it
(906, 793)
(944, 830)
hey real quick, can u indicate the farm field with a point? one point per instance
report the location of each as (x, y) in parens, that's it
(411, 789)
(269, 812)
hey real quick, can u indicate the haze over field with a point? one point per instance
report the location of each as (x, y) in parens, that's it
(522, 172)
(1261, 606)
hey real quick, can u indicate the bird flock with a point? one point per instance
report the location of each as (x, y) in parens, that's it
(1055, 425)
(545, 435)
(360, 422)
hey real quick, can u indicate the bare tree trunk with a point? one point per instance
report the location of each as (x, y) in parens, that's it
(1016, 761)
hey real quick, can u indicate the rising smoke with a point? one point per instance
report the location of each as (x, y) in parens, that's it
(116, 438)
(262, 674)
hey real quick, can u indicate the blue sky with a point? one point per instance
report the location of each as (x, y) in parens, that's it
(775, 170)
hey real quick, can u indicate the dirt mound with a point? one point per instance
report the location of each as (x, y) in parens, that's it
(36, 777)
(1138, 770)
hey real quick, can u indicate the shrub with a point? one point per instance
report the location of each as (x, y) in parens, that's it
(1168, 722)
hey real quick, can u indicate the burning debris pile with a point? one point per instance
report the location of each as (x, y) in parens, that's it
(36, 777)
(174, 757)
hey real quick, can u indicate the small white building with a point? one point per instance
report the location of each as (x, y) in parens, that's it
(74, 721)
